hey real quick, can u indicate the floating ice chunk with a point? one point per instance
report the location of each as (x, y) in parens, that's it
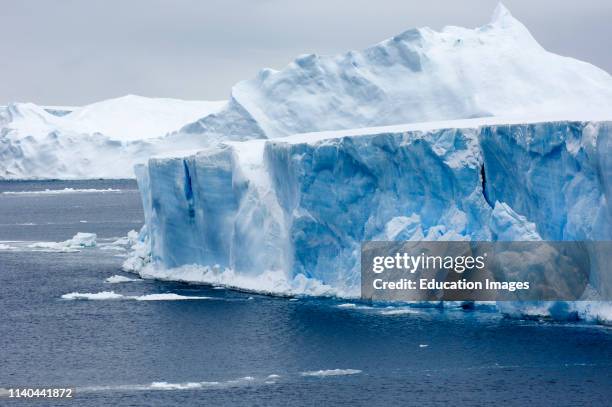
(331, 372)
(104, 295)
(168, 386)
(82, 240)
(399, 311)
(78, 241)
(175, 386)
(347, 305)
(169, 297)
(120, 279)
(62, 191)
(140, 250)
(111, 295)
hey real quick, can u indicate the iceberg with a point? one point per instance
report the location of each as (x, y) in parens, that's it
(100, 140)
(453, 135)
(298, 208)
(81, 240)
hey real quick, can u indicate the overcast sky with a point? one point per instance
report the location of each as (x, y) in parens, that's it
(76, 52)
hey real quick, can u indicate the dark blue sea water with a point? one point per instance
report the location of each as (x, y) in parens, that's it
(244, 349)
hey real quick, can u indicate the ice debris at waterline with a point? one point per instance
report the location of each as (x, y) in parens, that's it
(288, 215)
(79, 241)
(419, 75)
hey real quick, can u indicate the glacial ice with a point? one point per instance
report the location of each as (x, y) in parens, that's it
(101, 140)
(491, 138)
(79, 241)
(288, 215)
(487, 137)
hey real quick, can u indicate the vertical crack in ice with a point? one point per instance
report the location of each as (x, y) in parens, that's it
(483, 180)
(188, 190)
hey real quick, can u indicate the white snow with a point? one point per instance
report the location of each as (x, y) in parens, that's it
(125, 118)
(135, 117)
(102, 140)
(421, 76)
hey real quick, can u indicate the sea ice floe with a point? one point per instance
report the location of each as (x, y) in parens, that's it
(331, 372)
(169, 297)
(111, 295)
(61, 191)
(79, 241)
(121, 279)
(398, 311)
(104, 295)
(169, 386)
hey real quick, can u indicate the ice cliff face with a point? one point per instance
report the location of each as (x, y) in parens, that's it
(299, 207)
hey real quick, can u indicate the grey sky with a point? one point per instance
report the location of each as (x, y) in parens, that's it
(75, 52)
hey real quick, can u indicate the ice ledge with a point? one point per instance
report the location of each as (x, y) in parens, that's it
(461, 124)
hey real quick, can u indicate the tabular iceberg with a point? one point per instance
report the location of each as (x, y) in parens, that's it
(482, 135)
(296, 209)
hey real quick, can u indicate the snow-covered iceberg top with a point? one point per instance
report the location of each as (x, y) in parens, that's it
(423, 75)
(125, 118)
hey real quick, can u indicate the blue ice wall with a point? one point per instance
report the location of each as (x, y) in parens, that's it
(305, 207)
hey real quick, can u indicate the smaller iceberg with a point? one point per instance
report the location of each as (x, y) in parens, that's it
(79, 241)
